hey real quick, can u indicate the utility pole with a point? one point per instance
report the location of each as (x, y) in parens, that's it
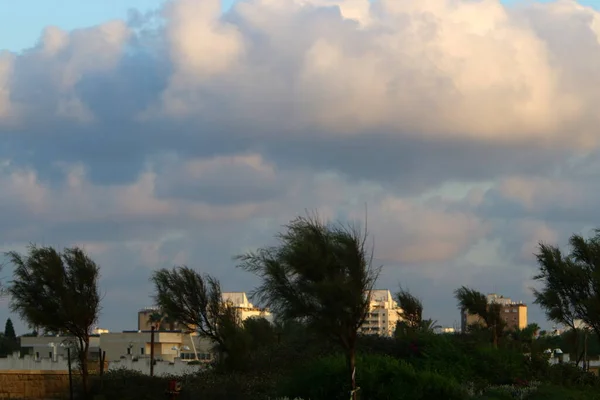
(152, 350)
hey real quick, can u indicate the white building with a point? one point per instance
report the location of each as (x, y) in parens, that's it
(52, 347)
(239, 300)
(383, 315)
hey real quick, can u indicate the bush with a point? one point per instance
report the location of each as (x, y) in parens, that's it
(379, 378)
(563, 393)
(130, 385)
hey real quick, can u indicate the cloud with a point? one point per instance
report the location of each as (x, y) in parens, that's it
(185, 136)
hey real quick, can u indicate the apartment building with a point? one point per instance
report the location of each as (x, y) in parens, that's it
(513, 313)
(383, 315)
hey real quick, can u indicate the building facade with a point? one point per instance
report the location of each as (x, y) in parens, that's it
(513, 313)
(52, 347)
(245, 309)
(384, 314)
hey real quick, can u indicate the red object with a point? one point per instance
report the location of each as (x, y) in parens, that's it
(174, 385)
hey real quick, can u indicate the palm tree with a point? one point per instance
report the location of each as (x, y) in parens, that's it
(156, 319)
(319, 273)
(475, 303)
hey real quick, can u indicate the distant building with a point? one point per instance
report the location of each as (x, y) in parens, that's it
(168, 345)
(145, 316)
(444, 329)
(383, 315)
(53, 346)
(514, 314)
(239, 300)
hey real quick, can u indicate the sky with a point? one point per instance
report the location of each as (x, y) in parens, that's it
(155, 134)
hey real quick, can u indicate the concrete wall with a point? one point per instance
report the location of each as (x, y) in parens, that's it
(34, 384)
(30, 363)
(160, 368)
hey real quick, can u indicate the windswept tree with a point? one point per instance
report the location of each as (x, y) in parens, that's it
(196, 302)
(321, 274)
(58, 292)
(412, 308)
(475, 303)
(571, 283)
(412, 315)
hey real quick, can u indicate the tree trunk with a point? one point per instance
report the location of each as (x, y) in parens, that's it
(351, 359)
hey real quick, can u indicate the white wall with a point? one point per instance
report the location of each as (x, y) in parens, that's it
(160, 368)
(30, 363)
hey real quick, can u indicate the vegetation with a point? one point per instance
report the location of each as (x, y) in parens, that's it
(412, 315)
(475, 303)
(196, 302)
(319, 273)
(58, 292)
(315, 280)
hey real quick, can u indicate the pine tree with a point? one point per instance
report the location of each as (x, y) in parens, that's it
(9, 330)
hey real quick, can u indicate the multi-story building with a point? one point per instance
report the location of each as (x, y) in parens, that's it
(384, 313)
(239, 300)
(514, 314)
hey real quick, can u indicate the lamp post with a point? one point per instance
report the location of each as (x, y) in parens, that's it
(178, 350)
(53, 346)
(68, 346)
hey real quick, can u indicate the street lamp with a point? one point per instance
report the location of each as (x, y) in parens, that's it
(178, 350)
(53, 346)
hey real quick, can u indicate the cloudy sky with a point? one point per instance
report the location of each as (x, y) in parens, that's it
(184, 132)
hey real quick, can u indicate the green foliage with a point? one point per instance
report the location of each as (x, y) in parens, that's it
(319, 273)
(571, 283)
(475, 303)
(381, 378)
(563, 393)
(196, 301)
(9, 330)
(58, 292)
(129, 385)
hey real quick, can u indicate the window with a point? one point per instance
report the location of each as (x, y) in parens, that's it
(50, 355)
(37, 355)
(142, 350)
(129, 350)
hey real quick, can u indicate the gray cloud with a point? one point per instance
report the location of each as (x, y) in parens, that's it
(185, 136)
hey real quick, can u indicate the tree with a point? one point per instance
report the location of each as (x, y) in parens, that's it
(412, 308)
(321, 274)
(58, 291)
(571, 284)
(196, 302)
(9, 330)
(475, 303)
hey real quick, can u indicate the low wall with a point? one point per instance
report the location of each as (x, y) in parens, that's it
(160, 367)
(11, 363)
(34, 385)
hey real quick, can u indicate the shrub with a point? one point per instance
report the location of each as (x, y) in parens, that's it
(379, 378)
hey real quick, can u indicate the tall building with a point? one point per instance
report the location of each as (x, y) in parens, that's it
(383, 315)
(513, 313)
